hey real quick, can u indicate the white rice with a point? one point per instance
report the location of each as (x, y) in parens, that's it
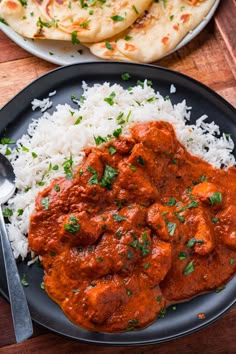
(43, 104)
(172, 88)
(52, 93)
(54, 138)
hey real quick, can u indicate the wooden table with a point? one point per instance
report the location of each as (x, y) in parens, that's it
(209, 58)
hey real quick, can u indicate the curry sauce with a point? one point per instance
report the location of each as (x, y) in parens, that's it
(141, 224)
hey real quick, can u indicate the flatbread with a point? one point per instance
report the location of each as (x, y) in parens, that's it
(29, 22)
(110, 28)
(97, 21)
(156, 33)
(87, 20)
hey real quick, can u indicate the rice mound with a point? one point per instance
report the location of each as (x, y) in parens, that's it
(41, 154)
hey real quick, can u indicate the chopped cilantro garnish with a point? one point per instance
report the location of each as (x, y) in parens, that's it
(125, 76)
(74, 38)
(171, 226)
(215, 198)
(182, 255)
(45, 203)
(24, 281)
(192, 242)
(110, 99)
(78, 120)
(116, 133)
(112, 150)
(118, 217)
(7, 212)
(57, 188)
(108, 176)
(73, 226)
(94, 178)
(108, 45)
(99, 140)
(5, 141)
(189, 268)
(140, 160)
(20, 212)
(171, 201)
(117, 18)
(67, 165)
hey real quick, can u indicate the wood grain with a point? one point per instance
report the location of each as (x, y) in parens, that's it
(226, 23)
(209, 58)
(15, 77)
(9, 50)
(202, 59)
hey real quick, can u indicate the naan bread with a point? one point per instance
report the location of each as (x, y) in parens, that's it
(88, 20)
(156, 33)
(110, 28)
(28, 21)
(94, 20)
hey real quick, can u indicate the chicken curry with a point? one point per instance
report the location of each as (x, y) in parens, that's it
(141, 224)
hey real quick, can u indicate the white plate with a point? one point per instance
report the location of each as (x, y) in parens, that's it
(64, 53)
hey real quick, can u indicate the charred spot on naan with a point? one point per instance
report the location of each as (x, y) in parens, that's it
(142, 22)
(176, 27)
(40, 34)
(194, 2)
(130, 47)
(165, 40)
(110, 48)
(39, 2)
(106, 50)
(184, 18)
(12, 5)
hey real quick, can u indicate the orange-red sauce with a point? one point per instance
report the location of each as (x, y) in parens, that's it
(141, 224)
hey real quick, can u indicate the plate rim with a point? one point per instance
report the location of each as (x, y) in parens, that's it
(214, 95)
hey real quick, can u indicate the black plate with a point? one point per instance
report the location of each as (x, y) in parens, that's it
(14, 119)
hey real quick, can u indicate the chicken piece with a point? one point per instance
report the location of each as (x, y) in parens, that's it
(117, 254)
(132, 183)
(159, 136)
(227, 226)
(142, 306)
(80, 228)
(39, 237)
(123, 145)
(85, 263)
(110, 256)
(146, 159)
(156, 216)
(92, 163)
(204, 239)
(89, 177)
(102, 300)
(157, 264)
(135, 215)
(128, 218)
(208, 193)
(49, 200)
(57, 282)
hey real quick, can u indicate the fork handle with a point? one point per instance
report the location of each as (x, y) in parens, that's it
(19, 308)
